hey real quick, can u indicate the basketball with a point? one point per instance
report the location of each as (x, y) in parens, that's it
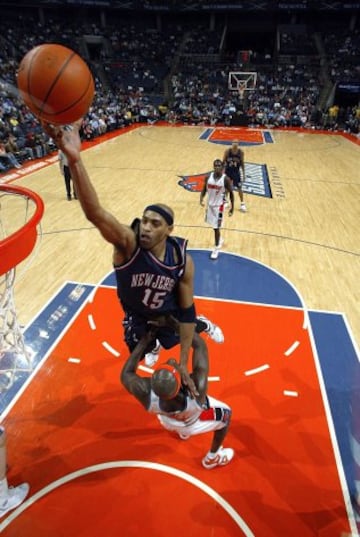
(55, 83)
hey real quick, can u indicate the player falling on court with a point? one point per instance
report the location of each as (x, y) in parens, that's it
(235, 169)
(216, 186)
(164, 394)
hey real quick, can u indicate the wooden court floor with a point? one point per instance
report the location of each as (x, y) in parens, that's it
(303, 194)
(308, 230)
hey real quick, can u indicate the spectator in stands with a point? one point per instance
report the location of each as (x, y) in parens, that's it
(8, 157)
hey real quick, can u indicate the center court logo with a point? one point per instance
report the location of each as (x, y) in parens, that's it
(256, 180)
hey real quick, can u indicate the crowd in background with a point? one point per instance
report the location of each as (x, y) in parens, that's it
(178, 74)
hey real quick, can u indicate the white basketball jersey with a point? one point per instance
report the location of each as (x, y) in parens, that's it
(187, 416)
(216, 190)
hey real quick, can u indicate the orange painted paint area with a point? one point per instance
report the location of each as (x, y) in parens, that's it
(74, 415)
(228, 134)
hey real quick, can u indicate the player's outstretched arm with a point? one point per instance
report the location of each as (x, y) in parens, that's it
(187, 322)
(203, 191)
(67, 139)
(138, 386)
(200, 373)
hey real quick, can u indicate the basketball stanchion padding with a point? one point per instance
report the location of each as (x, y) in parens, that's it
(19, 245)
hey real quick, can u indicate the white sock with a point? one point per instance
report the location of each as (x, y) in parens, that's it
(3, 489)
(212, 454)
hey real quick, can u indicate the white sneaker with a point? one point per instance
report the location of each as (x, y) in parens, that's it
(214, 331)
(243, 208)
(15, 496)
(214, 254)
(223, 457)
(152, 357)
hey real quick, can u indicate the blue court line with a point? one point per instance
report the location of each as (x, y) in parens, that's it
(205, 135)
(340, 366)
(45, 330)
(268, 137)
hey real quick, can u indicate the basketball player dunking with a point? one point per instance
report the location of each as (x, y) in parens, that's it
(154, 273)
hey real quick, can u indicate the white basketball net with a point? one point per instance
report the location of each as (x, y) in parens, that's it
(15, 357)
(241, 89)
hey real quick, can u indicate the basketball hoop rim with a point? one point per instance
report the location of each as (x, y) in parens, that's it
(18, 245)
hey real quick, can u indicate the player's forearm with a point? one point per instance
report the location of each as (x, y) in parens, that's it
(186, 332)
(84, 189)
(200, 377)
(132, 362)
(129, 368)
(128, 374)
(139, 351)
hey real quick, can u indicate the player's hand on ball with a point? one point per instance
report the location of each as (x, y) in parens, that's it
(66, 138)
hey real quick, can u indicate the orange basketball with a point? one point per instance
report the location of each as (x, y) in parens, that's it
(55, 83)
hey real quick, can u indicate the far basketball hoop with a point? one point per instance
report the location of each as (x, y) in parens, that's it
(20, 213)
(241, 81)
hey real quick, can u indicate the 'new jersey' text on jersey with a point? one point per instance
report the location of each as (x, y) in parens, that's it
(145, 284)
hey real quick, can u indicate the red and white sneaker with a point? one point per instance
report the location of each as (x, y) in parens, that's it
(222, 457)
